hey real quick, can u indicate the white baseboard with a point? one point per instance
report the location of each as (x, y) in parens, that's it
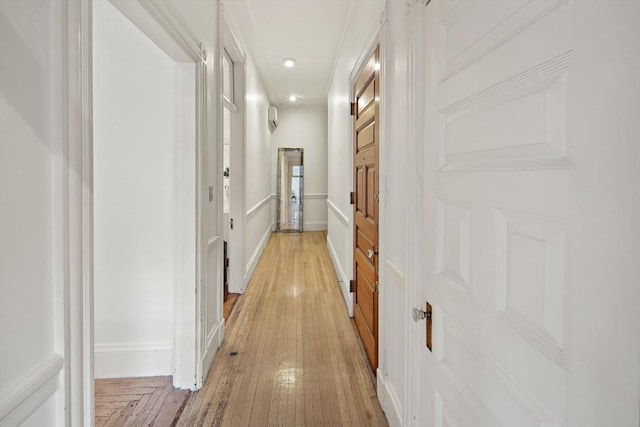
(389, 401)
(214, 341)
(315, 226)
(342, 277)
(133, 360)
(23, 397)
(257, 253)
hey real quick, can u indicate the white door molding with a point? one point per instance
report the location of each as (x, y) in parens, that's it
(76, 189)
(237, 161)
(77, 218)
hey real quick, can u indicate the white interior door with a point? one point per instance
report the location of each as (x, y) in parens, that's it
(531, 207)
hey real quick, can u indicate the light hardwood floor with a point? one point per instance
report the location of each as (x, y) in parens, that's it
(291, 355)
(138, 402)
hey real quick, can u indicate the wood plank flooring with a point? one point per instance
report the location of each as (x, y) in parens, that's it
(291, 356)
(147, 401)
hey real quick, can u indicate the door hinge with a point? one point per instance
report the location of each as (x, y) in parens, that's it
(375, 287)
(231, 223)
(352, 198)
(352, 285)
(354, 107)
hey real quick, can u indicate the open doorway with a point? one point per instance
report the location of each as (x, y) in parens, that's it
(233, 161)
(147, 92)
(290, 190)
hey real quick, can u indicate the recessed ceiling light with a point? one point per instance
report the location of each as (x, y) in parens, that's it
(289, 62)
(293, 98)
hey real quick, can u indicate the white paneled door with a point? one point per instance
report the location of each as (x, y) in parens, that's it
(530, 212)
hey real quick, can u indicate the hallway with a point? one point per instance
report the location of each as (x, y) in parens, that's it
(291, 355)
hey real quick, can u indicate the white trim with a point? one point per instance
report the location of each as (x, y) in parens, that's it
(370, 48)
(126, 347)
(343, 280)
(341, 216)
(22, 398)
(213, 241)
(312, 196)
(238, 200)
(253, 262)
(314, 226)
(122, 360)
(167, 16)
(251, 212)
(78, 212)
(389, 400)
(214, 341)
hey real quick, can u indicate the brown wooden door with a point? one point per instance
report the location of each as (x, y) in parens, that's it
(366, 111)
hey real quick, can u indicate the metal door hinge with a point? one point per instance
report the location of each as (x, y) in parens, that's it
(352, 285)
(375, 287)
(352, 198)
(231, 223)
(354, 107)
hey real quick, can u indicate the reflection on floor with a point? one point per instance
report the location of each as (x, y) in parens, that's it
(138, 401)
(290, 355)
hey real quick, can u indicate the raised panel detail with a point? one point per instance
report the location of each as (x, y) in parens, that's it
(531, 279)
(454, 240)
(471, 29)
(480, 390)
(517, 124)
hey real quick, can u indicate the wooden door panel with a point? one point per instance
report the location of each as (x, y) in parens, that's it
(364, 100)
(363, 243)
(366, 158)
(361, 194)
(367, 226)
(371, 191)
(365, 297)
(365, 118)
(365, 136)
(366, 209)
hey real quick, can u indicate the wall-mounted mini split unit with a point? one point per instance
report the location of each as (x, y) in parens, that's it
(272, 114)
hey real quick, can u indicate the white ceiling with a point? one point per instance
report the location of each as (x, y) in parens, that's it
(308, 30)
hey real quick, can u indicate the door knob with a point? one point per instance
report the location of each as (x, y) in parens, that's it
(371, 253)
(419, 314)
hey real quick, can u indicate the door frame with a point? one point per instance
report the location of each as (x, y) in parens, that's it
(237, 148)
(415, 295)
(376, 40)
(279, 189)
(75, 183)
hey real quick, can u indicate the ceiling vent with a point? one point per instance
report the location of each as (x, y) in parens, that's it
(273, 117)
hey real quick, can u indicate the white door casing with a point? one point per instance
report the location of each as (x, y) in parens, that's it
(528, 226)
(237, 160)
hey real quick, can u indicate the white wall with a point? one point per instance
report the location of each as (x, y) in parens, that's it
(305, 127)
(31, 277)
(35, 270)
(257, 171)
(135, 129)
(363, 23)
